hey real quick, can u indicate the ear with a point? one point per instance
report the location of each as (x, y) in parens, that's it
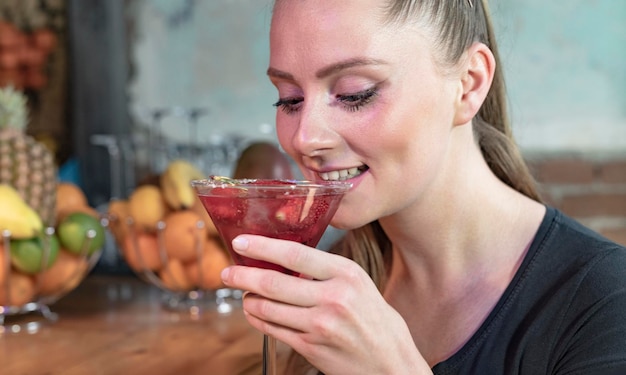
(477, 71)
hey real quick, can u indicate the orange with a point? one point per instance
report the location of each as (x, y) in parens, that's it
(21, 290)
(144, 254)
(147, 206)
(204, 215)
(118, 213)
(182, 237)
(205, 273)
(174, 276)
(69, 195)
(3, 269)
(64, 275)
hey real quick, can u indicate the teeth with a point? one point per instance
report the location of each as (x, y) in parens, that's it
(340, 175)
(334, 175)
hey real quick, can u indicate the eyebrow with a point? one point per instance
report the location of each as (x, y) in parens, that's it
(328, 70)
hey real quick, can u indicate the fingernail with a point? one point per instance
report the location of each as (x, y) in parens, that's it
(240, 244)
(224, 274)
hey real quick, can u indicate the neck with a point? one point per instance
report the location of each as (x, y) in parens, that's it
(455, 251)
(467, 224)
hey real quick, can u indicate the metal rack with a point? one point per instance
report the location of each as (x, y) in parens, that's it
(148, 150)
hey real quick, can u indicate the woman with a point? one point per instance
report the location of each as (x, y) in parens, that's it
(451, 264)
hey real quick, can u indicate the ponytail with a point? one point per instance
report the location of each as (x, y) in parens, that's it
(492, 128)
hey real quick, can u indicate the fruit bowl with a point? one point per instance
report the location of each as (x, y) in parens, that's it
(36, 272)
(167, 238)
(181, 256)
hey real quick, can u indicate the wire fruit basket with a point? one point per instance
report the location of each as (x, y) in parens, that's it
(37, 272)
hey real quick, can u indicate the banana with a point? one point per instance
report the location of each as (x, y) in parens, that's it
(16, 216)
(175, 184)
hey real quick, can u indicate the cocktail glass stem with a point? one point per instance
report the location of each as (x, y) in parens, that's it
(269, 355)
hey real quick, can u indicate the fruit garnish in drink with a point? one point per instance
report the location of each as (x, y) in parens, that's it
(224, 179)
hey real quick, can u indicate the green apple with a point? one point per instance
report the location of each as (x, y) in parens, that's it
(29, 255)
(74, 230)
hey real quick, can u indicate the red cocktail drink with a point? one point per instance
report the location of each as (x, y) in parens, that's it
(291, 210)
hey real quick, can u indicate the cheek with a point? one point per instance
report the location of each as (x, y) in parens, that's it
(387, 127)
(417, 119)
(410, 142)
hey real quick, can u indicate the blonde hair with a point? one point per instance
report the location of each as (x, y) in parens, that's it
(457, 25)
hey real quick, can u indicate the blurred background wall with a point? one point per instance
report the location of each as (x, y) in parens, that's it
(563, 59)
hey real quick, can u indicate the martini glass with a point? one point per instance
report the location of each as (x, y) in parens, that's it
(290, 210)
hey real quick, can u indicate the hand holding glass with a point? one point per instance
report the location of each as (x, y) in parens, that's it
(290, 210)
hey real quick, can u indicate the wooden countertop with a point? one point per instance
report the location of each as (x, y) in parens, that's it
(119, 325)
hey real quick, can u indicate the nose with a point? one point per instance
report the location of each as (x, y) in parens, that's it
(315, 135)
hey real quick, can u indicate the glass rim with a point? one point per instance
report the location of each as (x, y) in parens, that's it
(268, 183)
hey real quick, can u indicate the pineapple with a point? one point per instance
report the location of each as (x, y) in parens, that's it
(25, 164)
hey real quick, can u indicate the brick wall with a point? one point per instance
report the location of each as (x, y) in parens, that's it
(589, 188)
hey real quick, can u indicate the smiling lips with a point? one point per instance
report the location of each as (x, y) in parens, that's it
(342, 174)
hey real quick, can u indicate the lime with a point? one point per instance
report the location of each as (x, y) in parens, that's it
(29, 255)
(75, 232)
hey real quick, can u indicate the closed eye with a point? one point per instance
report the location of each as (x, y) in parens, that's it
(289, 105)
(354, 102)
(351, 102)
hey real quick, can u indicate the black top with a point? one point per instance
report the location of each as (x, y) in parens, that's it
(563, 313)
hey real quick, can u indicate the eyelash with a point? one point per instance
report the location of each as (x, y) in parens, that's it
(354, 102)
(289, 105)
(351, 102)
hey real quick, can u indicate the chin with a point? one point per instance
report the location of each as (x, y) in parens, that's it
(346, 221)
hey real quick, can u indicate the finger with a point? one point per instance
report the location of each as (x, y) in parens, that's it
(309, 261)
(273, 285)
(294, 325)
(274, 314)
(282, 333)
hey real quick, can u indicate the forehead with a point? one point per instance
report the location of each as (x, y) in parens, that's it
(325, 14)
(335, 30)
